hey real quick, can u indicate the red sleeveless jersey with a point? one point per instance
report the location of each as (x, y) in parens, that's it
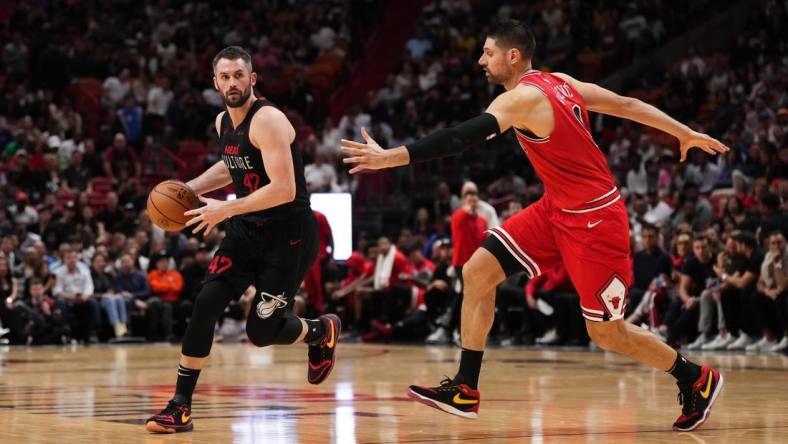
(570, 164)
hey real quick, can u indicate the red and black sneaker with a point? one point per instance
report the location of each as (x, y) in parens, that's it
(457, 399)
(696, 399)
(321, 355)
(174, 418)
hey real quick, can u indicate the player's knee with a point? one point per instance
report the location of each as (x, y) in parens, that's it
(261, 337)
(479, 275)
(281, 329)
(607, 335)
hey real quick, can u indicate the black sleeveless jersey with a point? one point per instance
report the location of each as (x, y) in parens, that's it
(245, 163)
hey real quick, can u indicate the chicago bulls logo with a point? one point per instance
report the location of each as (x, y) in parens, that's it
(613, 297)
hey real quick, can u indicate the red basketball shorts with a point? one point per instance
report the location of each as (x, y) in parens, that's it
(592, 242)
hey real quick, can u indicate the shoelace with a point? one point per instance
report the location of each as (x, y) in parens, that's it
(173, 409)
(686, 399)
(446, 384)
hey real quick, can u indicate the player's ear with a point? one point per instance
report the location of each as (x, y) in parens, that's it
(215, 84)
(514, 56)
(253, 78)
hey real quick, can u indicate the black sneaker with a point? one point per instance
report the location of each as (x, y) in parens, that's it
(457, 399)
(322, 355)
(174, 418)
(696, 399)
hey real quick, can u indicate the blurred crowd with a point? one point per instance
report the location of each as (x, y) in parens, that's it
(81, 261)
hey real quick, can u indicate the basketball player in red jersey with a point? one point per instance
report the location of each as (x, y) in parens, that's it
(581, 221)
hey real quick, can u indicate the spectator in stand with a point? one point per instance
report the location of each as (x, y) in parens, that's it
(681, 318)
(467, 234)
(77, 173)
(692, 209)
(445, 203)
(23, 213)
(74, 291)
(773, 217)
(111, 214)
(116, 88)
(46, 322)
(651, 269)
(710, 304)
(166, 285)
(10, 318)
(120, 157)
(739, 291)
(47, 229)
(392, 295)
(483, 208)
(91, 159)
(129, 120)
(415, 326)
(772, 285)
(128, 225)
(321, 176)
(659, 211)
(133, 286)
(104, 290)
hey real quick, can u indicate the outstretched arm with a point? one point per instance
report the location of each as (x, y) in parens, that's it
(604, 101)
(501, 115)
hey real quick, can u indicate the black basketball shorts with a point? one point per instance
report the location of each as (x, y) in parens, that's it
(273, 255)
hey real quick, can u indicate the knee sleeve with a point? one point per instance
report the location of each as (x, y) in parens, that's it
(208, 306)
(280, 329)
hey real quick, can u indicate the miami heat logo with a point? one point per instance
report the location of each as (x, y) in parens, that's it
(269, 304)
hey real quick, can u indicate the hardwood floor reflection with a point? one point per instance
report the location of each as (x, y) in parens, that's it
(247, 395)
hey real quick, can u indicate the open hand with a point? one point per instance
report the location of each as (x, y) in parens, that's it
(365, 156)
(211, 214)
(702, 141)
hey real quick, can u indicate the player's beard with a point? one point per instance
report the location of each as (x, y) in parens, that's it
(239, 99)
(492, 79)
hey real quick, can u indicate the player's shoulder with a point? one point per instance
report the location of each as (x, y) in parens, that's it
(269, 121)
(218, 122)
(565, 77)
(270, 117)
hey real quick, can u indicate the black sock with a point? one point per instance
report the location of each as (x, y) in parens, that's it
(470, 366)
(187, 380)
(314, 331)
(684, 371)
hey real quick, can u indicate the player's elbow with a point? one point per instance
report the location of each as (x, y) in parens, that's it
(287, 192)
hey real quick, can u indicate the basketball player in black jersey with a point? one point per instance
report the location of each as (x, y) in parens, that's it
(271, 239)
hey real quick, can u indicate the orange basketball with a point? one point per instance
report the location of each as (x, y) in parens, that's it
(168, 201)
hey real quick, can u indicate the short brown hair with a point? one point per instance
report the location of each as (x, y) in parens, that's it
(233, 53)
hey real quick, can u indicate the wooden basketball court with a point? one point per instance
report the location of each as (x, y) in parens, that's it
(103, 394)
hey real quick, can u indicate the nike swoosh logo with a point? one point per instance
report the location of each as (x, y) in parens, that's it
(592, 225)
(458, 400)
(295, 242)
(330, 343)
(185, 418)
(705, 393)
